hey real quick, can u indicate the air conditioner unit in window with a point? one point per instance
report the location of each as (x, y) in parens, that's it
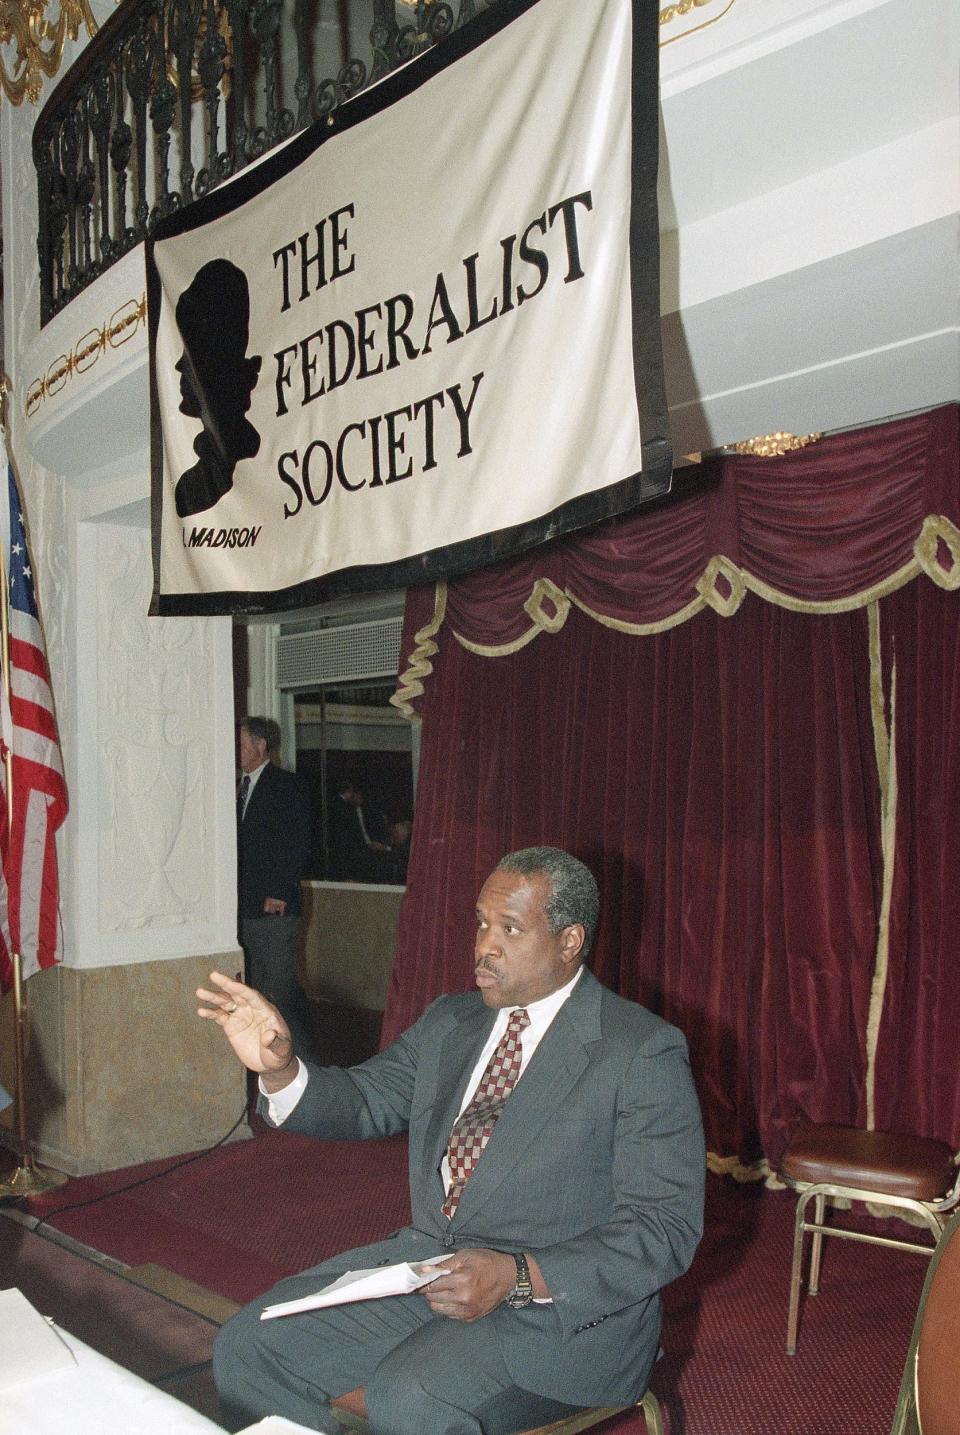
(322, 657)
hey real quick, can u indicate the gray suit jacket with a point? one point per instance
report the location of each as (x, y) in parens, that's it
(595, 1168)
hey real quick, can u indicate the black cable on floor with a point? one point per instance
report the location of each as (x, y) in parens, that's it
(143, 1180)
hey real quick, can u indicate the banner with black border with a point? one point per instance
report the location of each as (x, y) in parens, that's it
(424, 335)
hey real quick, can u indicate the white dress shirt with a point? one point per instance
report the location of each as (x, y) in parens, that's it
(541, 1014)
(253, 776)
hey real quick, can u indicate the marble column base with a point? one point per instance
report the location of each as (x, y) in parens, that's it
(120, 1068)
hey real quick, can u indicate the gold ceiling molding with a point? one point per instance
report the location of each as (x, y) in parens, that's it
(775, 445)
(119, 329)
(679, 11)
(39, 42)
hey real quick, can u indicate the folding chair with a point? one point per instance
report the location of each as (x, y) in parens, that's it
(899, 1173)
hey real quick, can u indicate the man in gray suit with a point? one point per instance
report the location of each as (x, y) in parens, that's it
(556, 1154)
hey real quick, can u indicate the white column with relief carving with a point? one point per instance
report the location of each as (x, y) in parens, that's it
(155, 764)
(124, 1070)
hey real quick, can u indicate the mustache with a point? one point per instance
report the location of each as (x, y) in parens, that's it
(484, 967)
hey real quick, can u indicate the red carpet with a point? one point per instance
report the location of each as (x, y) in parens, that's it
(238, 1219)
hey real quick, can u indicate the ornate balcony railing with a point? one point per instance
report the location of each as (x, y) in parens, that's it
(172, 97)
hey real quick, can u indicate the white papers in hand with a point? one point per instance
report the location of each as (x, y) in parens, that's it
(363, 1285)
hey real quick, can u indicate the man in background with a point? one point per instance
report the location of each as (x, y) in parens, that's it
(356, 851)
(274, 830)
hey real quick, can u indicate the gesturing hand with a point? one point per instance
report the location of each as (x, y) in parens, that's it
(254, 1028)
(475, 1281)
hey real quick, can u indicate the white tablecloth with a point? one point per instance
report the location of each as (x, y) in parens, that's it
(95, 1397)
(88, 1395)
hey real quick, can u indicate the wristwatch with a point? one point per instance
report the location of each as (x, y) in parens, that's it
(522, 1293)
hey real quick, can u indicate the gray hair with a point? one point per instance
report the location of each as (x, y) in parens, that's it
(574, 897)
(263, 729)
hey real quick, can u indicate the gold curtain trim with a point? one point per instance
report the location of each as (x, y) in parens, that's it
(888, 800)
(502, 650)
(887, 585)
(410, 681)
(733, 1166)
(541, 621)
(545, 588)
(937, 528)
(740, 581)
(721, 567)
(641, 630)
(881, 745)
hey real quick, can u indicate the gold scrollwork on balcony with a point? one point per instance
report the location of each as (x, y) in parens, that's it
(118, 330)
(223, 46)
(38, 41)
(668, 14)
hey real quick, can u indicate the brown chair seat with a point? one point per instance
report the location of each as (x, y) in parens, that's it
(881, 1161)
(351, 1404)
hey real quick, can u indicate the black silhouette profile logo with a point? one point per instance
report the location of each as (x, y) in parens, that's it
(216, 381)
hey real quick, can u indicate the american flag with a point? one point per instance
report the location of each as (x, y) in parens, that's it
(29, 892)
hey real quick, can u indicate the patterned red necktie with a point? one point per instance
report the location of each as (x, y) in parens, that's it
(474, 1126)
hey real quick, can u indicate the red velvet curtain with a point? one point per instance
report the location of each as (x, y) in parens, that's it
(832, 523)
(723, 778)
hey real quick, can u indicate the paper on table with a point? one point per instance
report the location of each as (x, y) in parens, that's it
(362, 1285)
(29, 1345)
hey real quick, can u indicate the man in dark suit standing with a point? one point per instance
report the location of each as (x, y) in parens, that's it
(556, 1159)
(274, 830)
